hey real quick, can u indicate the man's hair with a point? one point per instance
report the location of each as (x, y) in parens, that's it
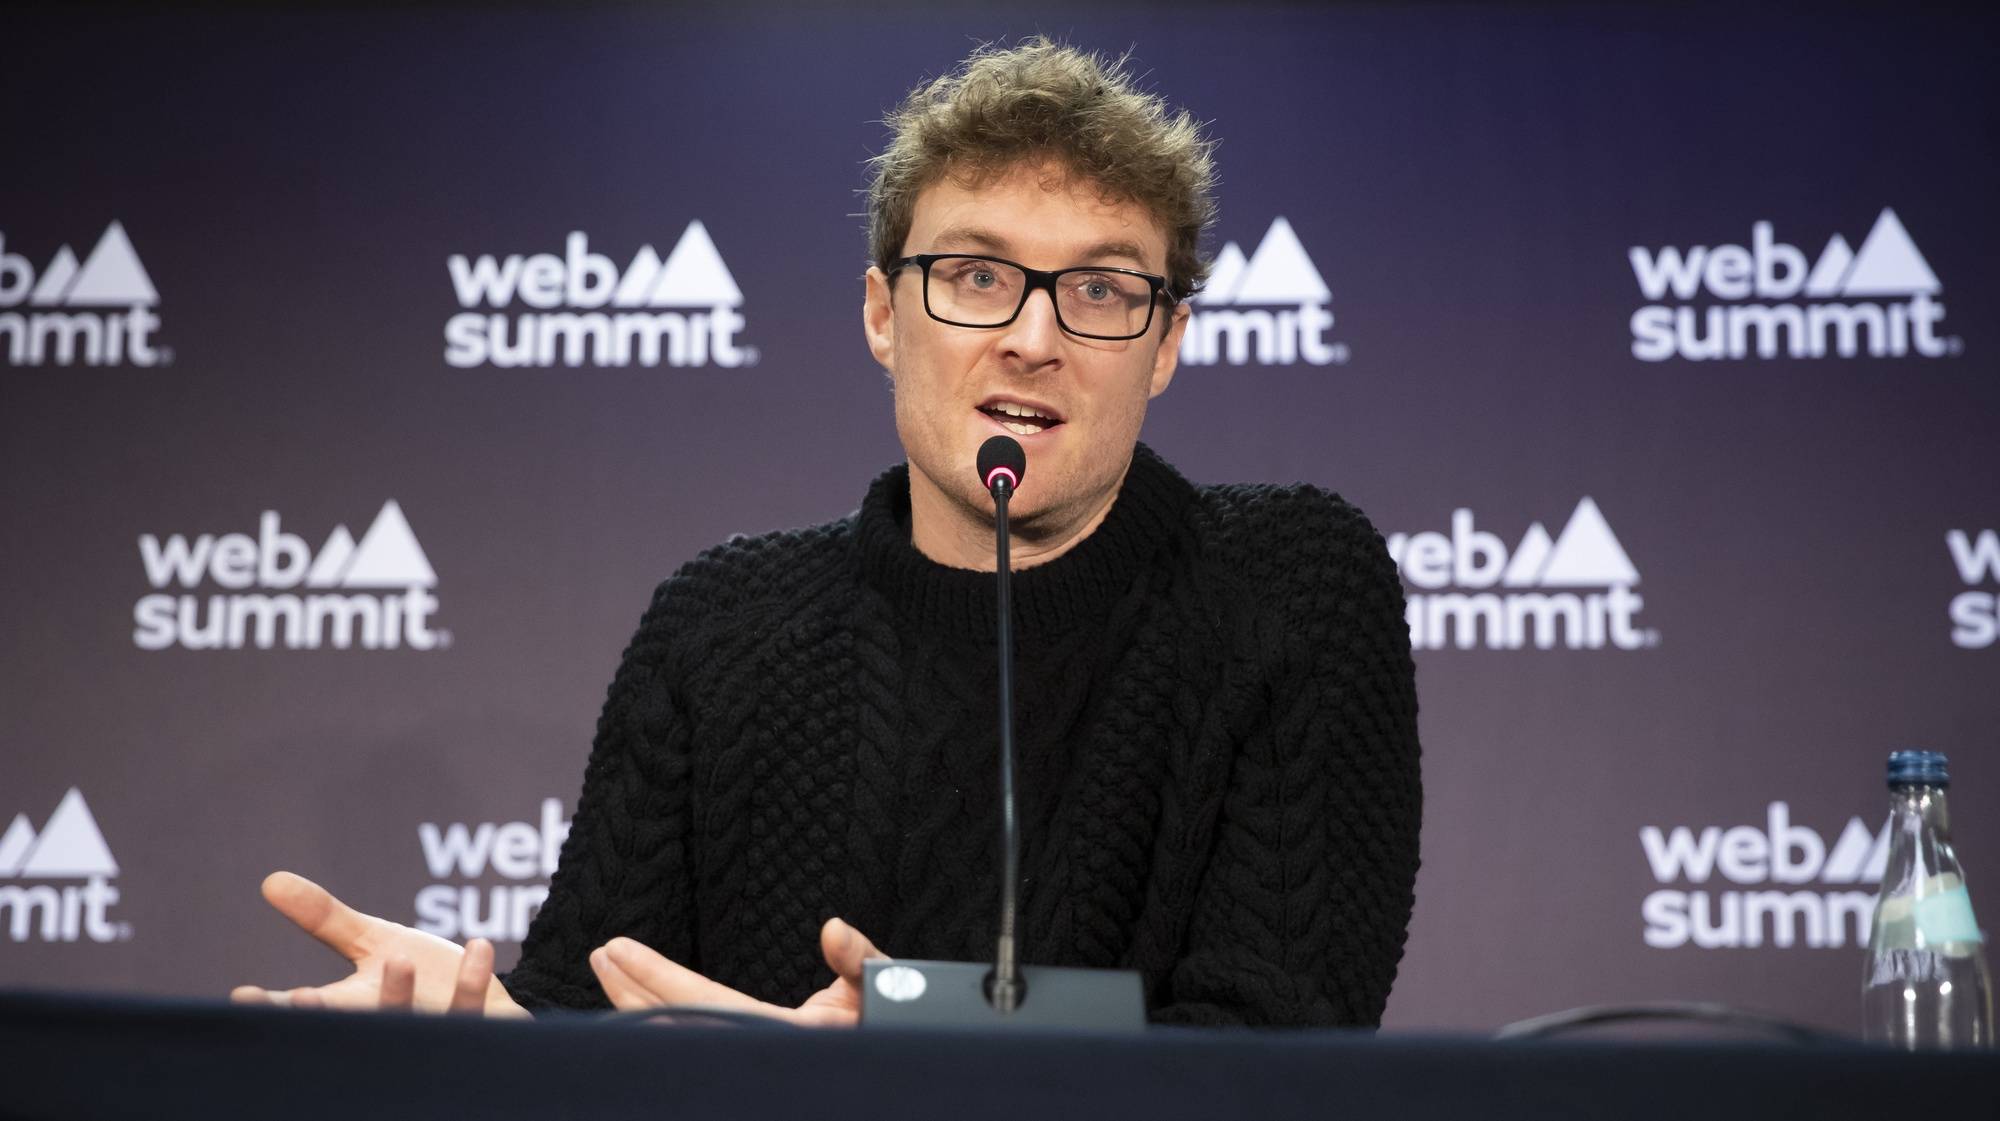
(1004, 107)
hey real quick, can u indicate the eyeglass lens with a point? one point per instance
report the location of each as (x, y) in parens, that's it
(977, 292)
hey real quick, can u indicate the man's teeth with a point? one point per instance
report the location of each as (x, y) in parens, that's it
(1031, 422)
(1011, 409)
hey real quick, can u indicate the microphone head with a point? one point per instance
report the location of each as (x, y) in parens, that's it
(1001, 457)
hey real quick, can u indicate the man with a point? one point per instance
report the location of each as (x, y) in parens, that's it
(1216, 714)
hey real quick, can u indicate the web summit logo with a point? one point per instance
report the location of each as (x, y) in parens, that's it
(1975, 613)
(69, 847)
(384, 599)
(118, 325)
(522, 853)
(1855, 318)
(582, 310)
(1784, 854)
(1540, 594)
(1270, 308)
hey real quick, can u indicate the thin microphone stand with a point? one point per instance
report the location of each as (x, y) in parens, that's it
(1006, 979)
(908, 993)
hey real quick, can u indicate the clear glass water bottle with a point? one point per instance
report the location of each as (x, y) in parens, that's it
(1926, 984)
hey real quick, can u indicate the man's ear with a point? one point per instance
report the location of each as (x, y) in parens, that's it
(878, 318)
(1167, 359)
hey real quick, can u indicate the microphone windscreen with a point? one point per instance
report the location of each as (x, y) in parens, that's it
(1002, 454)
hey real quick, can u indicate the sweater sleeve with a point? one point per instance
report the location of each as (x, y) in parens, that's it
(624, 866)
(1301, 915)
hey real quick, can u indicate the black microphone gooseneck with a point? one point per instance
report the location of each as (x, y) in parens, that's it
(907, 993)
(1001, 465)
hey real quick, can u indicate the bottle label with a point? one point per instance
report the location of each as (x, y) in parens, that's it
(1947, 917)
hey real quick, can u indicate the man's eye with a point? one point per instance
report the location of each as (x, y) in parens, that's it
(975, 274)
(1096, 289)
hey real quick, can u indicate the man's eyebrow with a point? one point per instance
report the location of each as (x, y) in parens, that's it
(959, 237)
(963, 236)
(1105, 249)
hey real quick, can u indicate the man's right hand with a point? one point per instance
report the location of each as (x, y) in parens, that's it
(395, 967)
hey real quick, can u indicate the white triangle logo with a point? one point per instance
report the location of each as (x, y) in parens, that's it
(54, 285)
(1888, 263)
(14, 845)
(1587, 554)
(1524, 569)
(694, 275)
(1854, 853)
(1878, 858)
(1279, 272)
(638, 278)
(113, 274)
(1223, 277)
(331, 563)
(388, 555)
(1831, 271)
(70, 845)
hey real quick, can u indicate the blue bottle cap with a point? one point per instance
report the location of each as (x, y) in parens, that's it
(1918, 768)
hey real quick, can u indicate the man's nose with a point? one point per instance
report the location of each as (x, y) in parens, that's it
(1035, 336)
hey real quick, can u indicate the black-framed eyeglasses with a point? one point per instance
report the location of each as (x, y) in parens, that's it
(1091, 301)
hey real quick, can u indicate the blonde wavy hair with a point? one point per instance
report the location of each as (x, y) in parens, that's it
(1005, 106)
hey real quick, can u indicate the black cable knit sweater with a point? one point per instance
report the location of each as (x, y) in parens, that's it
(1216, 729)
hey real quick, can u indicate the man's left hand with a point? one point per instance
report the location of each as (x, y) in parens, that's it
(636, 977)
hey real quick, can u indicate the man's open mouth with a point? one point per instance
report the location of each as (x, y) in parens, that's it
(1021, 420)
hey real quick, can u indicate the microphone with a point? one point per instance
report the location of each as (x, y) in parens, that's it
(1001, 461)
(1001, 465)
(905, 993)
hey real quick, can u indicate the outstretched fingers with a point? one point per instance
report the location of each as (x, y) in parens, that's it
(318, 913)
(294, 998)
(475, 971)
(636, 976)
(399, 984)
(625, 994)
(845, 948)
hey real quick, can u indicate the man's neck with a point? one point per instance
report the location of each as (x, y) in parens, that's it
(950, 534)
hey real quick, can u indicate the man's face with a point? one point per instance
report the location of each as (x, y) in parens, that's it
(956, 387)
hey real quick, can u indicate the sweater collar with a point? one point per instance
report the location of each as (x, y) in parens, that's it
(1079, 586)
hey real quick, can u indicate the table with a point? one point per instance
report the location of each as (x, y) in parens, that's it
(105, 1057)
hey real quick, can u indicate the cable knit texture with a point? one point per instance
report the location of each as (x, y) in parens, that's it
(1216, 730)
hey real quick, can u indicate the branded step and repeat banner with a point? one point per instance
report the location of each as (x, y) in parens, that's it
(361, 374)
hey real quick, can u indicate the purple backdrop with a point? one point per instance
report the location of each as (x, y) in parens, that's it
(360, 374)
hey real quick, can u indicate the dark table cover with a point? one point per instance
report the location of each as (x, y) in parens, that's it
(80, 1056)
